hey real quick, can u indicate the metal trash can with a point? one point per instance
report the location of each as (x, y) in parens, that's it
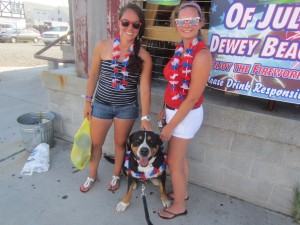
(36, 128)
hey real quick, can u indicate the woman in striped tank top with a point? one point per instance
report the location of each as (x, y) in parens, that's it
(118, 66)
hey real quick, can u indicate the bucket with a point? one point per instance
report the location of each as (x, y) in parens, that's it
(36, 128)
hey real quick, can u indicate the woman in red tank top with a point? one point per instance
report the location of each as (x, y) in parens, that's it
(187, 73)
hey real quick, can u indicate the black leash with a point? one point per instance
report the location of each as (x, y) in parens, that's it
(109, 158)
(145, 205)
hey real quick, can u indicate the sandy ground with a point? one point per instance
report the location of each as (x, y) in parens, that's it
(22, 54)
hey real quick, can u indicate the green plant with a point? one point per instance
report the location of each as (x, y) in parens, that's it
(296, 205)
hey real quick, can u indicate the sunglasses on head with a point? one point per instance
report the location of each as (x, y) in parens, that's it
(190, 21)
(135, 24)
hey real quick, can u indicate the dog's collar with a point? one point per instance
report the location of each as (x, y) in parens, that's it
(145, 176)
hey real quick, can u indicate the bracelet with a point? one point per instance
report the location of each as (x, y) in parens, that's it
(88, 97)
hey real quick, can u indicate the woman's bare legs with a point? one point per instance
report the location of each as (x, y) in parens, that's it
(122, 128)
(99, 129)
(186, 170)
(179, 171)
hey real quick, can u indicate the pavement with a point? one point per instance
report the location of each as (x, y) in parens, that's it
(53, 197)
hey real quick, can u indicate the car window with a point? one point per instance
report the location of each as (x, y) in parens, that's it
(12, 31)
(6, 26)
(59, 29)
(64, 28)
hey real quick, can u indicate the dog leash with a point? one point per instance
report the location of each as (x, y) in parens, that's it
(145, 205)
(109, 158)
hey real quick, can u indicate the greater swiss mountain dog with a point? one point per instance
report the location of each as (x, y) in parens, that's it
(144, 161)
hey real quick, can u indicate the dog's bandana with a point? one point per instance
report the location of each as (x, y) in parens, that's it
(155, 172)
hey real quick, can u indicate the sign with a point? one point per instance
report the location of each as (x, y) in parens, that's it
(256, 48)
(164, 2)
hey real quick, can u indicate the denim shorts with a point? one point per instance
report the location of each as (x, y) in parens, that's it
(108, 112)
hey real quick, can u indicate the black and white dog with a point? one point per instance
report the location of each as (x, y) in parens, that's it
(144, 160)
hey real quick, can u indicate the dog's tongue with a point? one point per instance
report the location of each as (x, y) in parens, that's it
(144, 161)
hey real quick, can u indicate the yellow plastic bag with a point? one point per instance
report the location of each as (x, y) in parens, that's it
(81, 151)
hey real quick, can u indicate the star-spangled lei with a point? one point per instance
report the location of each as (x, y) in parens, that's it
(180, 84)
(145, 176)
(119, 78)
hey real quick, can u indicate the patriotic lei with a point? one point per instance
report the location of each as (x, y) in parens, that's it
(145, 176)
(180, 84)
(119, 79)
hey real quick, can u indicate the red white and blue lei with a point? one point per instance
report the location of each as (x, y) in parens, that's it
(180, 84)
(155, 172)
(119, 78)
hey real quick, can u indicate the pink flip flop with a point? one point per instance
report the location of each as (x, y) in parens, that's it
(114, 184)
(88, 184)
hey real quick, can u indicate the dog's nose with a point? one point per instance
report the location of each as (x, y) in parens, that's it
(144, 152)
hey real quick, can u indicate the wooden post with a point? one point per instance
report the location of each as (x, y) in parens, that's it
(81, 37)
(113, 9)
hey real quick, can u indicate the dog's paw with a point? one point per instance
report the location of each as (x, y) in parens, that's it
(166, 203)
(121, 207)
(155, 182)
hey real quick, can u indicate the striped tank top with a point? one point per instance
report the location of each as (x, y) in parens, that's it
(106, 94)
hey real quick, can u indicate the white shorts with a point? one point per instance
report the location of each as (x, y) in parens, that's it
(189, 126)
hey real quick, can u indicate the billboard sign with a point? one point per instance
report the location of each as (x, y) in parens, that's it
(256, 48)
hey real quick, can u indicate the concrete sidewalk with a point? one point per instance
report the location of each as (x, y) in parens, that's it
(53, 197)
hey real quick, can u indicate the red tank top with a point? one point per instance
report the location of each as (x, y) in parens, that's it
(168, 71)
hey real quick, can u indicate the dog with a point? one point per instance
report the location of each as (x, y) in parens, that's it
(144, 160)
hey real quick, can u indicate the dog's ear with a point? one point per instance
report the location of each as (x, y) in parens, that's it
(159, 141)
(129, 141)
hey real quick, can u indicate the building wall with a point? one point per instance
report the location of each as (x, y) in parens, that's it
(12, 13)
(11, 9)
(36, 14)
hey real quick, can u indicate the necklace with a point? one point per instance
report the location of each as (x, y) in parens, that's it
(153, 173)
(119, 78)
(180, 79)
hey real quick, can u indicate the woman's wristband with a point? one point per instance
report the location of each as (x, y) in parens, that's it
(87, 97)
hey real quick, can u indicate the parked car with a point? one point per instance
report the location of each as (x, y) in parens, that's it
(55, 33)
(4, 27)
(20, 35)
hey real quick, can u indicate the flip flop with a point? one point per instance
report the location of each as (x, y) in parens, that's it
(88, 184)
(114, 184)
(172, 198)
(173, 214)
